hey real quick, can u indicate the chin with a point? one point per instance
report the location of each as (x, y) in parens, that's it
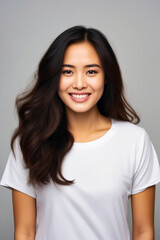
(84, 110)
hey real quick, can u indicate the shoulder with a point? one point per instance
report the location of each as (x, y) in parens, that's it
(130, 130)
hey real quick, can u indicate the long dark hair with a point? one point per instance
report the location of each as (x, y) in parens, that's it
(42, 131)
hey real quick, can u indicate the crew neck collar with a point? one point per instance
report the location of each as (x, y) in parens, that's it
(98, 140)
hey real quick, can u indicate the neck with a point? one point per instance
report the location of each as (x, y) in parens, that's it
(81, 124)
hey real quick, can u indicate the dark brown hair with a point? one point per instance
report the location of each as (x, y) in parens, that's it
(42, 131)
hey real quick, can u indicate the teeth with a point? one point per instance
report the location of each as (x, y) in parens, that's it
(79, 96)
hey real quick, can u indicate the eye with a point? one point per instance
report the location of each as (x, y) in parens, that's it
(91, 72)
(67, 72)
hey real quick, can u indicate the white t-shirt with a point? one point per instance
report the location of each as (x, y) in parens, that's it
(106, 171)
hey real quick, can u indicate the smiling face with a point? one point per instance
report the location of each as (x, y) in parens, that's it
(82, 78)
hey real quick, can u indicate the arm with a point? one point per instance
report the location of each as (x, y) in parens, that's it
(143, 214)
(24, 209)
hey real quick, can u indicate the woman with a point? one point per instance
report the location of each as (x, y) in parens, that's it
(77, 154)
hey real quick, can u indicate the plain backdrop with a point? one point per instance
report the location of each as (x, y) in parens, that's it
(28, 27)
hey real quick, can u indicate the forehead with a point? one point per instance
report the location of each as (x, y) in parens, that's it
(81, 53)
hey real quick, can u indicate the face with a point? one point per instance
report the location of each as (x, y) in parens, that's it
(82, 78)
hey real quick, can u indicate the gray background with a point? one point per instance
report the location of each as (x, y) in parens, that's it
(28, 27)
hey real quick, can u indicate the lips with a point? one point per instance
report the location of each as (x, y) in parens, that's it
(79, 97)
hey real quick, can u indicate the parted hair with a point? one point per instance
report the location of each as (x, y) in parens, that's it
(42, 131)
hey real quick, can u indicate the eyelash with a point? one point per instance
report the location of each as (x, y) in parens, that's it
(93, 71)
(65, 71)
(69, 72)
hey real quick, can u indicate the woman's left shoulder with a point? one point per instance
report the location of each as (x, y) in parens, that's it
(131, 129)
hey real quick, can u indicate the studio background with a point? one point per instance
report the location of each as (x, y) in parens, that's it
(27, 29)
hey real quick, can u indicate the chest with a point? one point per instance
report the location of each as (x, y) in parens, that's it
(100, 170)
(101, 173)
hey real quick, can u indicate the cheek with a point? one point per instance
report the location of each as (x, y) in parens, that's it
(61, 95)
(97, 84)
(63, 84)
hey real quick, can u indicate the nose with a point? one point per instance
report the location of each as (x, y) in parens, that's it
(79, 81)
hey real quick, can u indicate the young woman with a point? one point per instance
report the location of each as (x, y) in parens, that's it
(77, 154)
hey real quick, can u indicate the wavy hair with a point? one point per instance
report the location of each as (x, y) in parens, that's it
(42, 130)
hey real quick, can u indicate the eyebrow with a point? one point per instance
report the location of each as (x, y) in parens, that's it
(86, 66)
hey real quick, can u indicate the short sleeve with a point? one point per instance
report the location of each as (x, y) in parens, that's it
(15, 174)
(147, 168)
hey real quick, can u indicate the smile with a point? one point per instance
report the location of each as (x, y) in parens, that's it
(79, 97)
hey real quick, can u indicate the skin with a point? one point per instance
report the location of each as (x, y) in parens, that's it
(24, 209)
(143, 214)
(84, 120)
(86, 124)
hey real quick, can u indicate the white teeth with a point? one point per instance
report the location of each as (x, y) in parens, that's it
(79, 96)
